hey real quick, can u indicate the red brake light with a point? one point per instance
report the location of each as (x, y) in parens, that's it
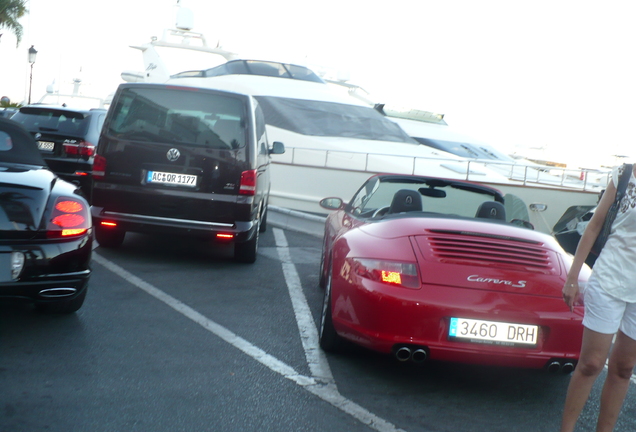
(69, 218)
(99, 167)
(79, 148)
(248, 183)
(388, 272)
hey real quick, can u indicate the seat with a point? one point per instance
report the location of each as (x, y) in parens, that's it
(406, 200)
(491, 210)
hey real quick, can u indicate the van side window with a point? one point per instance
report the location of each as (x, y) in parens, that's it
(261, 134)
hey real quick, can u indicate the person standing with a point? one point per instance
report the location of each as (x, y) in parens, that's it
(610, 309)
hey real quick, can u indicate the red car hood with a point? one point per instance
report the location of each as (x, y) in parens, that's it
(480, 255)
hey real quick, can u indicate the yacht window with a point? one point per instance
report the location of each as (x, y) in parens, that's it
(318, 118)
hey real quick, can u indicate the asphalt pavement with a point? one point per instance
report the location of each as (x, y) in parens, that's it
(176, 336)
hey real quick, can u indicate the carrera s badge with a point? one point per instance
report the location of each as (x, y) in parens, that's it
(173, 154)
(516, 284)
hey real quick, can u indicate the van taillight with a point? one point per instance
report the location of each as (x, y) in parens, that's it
(79, 148)
(69, 218)
(248, 183)
(99, 167)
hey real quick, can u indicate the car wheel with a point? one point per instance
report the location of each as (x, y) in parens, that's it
(321, 276)
(109, 237)
(330, 341)
(263, 227)
(246, 252)
(63, 306)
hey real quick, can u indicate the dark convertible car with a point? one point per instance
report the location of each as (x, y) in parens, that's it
(45, 228)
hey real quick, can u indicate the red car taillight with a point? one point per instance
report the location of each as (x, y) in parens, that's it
(69, 218)
(99, 167)
(79, 148)
(248, 183)
(388, 272)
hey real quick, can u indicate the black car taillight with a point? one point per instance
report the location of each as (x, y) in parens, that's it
(69, 218)
(79, 148)
(99, 167)
(248, 183)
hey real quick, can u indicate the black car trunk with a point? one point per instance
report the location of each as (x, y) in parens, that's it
(198, 184)
(23, 199)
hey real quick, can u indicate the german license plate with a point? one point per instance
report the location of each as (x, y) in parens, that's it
(500, 333)
(158, 177)
(46, 145)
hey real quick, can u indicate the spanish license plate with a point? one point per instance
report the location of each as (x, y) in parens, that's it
(500, 333)
(46, 145)
(171, 178)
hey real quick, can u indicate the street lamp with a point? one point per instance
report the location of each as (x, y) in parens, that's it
(32, 53)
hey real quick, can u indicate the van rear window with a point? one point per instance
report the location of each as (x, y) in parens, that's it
(179, 116)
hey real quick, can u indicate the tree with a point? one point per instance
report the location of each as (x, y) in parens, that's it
(10, 12)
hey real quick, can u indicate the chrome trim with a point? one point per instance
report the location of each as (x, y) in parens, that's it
(136, 217)
(57, 292)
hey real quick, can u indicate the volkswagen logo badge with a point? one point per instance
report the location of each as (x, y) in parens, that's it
(38, 136)
(173, 154)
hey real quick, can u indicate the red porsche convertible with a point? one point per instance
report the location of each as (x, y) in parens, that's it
(430, 268)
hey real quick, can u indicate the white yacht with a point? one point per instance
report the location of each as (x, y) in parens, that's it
(334, 140)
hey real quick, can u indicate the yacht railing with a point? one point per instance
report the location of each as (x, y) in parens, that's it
(478, 170)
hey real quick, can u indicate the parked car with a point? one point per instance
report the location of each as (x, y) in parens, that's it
(45, 228)
(185, 160)
(67, 139)
(7, 112)
(429, 268)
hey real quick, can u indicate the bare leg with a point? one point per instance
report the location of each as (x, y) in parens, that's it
(594, 351)
(619, 372)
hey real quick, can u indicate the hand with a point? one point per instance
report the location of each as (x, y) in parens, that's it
(570, 293)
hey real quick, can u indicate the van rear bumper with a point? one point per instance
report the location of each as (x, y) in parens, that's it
(242, 230)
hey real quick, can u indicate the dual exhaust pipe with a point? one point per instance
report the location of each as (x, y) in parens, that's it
(563, 366)
(416, 355)
(420, 354)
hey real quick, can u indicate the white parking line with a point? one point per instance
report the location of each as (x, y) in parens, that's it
(316, 358)
(325, 391)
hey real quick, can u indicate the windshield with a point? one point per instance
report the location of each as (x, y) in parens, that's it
(318, 118)
(263, 68)
(17, 146)
(443, 197)
(179, 116)
(40, 119)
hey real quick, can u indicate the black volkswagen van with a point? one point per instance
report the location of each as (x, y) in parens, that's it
(183, 160)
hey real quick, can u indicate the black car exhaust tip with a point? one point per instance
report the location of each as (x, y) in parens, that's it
(554, 367)
(403, 354)
(568, 368)
(57, 292)
(419, 355)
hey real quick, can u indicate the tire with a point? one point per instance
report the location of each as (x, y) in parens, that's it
(330, 341)
(109, 237)
(246, 252)
(263, 227)
(321, 276)
(62, 306)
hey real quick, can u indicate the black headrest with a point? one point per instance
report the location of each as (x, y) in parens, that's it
(406, 200)
(491, 210)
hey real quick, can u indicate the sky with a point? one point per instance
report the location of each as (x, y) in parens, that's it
(551, 79)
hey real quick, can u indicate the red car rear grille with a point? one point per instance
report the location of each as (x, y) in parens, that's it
(468, 248)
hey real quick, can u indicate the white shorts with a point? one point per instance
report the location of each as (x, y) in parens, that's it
(606, 314)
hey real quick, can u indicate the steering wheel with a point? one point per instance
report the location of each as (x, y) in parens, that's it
(381, 211)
